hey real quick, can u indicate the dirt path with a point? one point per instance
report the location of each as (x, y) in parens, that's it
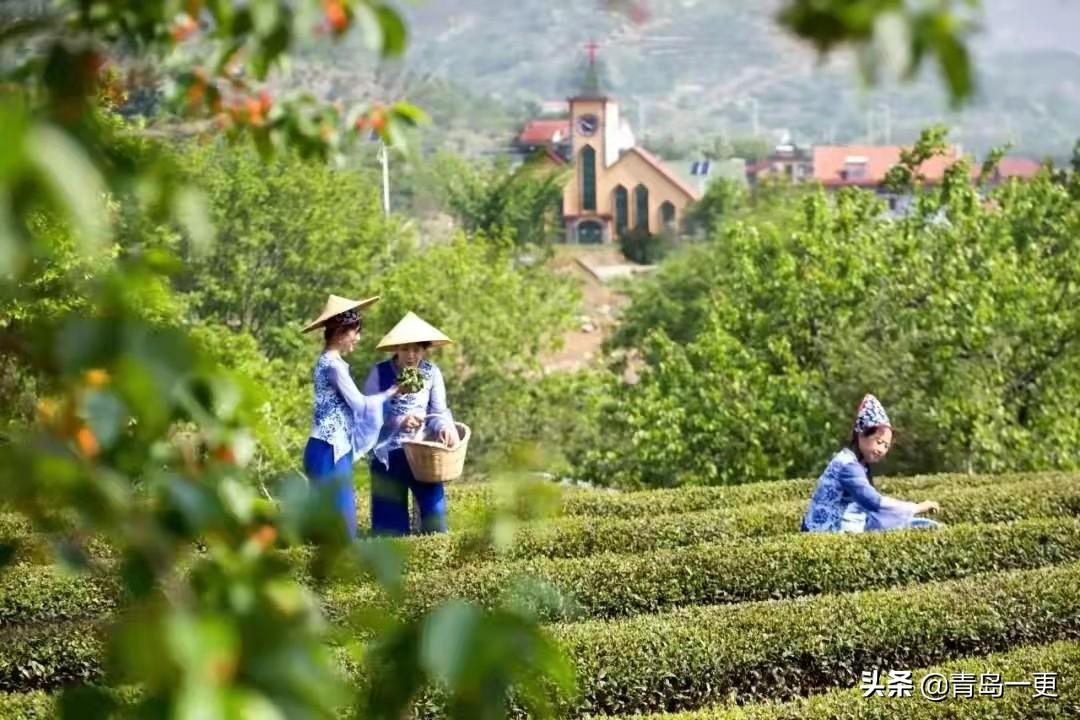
(599, 310)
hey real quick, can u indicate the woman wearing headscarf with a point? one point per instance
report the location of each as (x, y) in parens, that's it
(845, 499)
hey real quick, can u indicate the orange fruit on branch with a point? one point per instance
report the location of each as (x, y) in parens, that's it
(225, 454)
(255, 111)
(86, 442)
(336, 15)
(265, 536)
(183, 27)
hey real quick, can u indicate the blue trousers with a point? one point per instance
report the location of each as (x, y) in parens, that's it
(390, 489)
(332, 479)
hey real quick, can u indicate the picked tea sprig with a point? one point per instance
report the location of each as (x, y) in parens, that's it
(410, 380)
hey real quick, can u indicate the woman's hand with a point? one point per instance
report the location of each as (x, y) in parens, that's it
(448, 438)
(394, 390)
(928, 506)
(411, 422)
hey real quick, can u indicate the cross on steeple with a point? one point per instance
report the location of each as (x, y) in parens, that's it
(592, 83)
(591, 47)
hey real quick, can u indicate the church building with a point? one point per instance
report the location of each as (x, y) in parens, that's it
(616, 186)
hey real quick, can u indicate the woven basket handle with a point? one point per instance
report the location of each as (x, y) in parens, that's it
(431, 415)
(420, 428)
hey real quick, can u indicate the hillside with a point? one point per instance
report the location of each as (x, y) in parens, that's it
(698, 68)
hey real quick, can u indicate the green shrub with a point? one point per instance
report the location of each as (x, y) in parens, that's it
(583, 536)
(470, 500)
(964, 500)
(1015, 703)
(48, 593)
(40, 705)
(50, 655)
(610, 585)
(600, 503)
(606, 586)
(779, 650)
(644, 247)
(697, 656)
(577, 501)
(33, 705)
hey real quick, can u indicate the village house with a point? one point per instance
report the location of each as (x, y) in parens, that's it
(787, 161)
(866, 166)
(545, 134)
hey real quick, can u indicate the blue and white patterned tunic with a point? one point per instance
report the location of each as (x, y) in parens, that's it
(844, 500)
(343, 418)
(429, 403)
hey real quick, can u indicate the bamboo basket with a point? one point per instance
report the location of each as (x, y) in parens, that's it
(433, 462)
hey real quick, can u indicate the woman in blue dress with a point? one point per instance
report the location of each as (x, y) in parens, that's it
(346, 423)
(845, 499)
(407, 415)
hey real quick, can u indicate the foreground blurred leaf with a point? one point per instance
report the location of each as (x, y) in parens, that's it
(448, 640)
(394, 34)
(78, 186)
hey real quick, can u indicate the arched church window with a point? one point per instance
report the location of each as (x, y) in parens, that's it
(667, 214)
(622, 209)
(588, 178)
(641, 207)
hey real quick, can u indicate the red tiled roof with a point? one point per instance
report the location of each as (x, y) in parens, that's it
(663, 170)
(1020, 167)
(1009, 167)
(545, 132)
(831, 160)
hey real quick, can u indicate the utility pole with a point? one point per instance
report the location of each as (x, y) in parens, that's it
(886, 112)
(755, 123)
(385, 160)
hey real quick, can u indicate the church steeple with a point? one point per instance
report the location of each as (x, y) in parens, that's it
(594, 79)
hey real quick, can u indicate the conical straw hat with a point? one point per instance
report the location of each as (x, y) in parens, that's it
(411, 329)
(335, 305)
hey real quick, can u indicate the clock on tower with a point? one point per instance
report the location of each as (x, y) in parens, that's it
(588, 124)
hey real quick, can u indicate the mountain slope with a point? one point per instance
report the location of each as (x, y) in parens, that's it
(698, 66)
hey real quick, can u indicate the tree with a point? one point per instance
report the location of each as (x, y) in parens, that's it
(712, 412)
(285, 229)
(520, 205)
(677, 301)
(722, 199)
(749, 149)
(759, 343)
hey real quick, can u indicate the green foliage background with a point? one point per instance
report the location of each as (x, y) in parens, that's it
(758, 343)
